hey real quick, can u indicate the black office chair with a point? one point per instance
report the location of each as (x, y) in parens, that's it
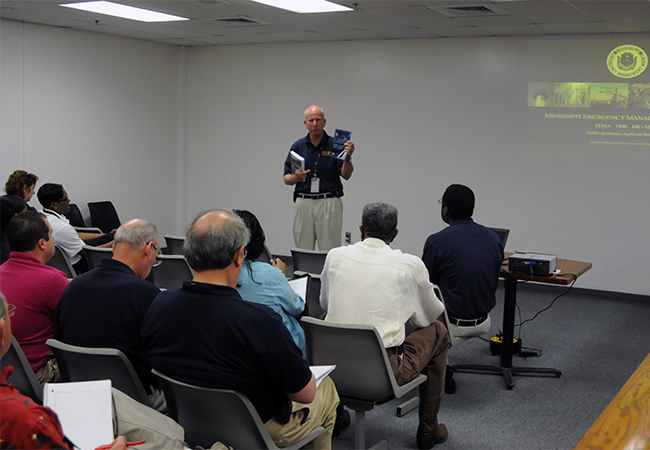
(363, 375)
(308, 261)
(170, 271)
(104, 216)
(23, 378)
(90, 364)
(211, 415)
(75, 217)
(61, 261)
(94, 255)
(174, 244)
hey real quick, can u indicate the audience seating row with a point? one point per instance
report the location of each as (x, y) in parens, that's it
(169, 271)
(363, 377)
(103, 217)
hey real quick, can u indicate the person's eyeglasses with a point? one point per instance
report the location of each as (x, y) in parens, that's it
(65, 199)
(11, 310)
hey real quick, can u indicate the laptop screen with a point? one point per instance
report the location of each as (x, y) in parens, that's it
(502, 234)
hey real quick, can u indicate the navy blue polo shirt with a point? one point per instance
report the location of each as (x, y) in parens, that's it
(464, 260)
(206, 335)
(321, 163)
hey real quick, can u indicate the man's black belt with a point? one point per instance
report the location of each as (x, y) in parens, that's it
(466, 322)
(317, 196)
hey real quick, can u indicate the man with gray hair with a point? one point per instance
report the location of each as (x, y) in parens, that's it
(105, 306)
(372, 284)
(234, 344)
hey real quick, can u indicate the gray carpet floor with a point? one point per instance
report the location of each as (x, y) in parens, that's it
(597, 339)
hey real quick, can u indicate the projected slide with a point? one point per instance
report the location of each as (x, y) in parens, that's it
(583, 116)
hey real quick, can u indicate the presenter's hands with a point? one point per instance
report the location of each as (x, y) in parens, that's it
(349, 149)
(277, 262)
(300, 175)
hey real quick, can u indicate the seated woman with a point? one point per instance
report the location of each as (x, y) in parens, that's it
(56, 203)
(265, 283)
(11, 205)
(22, 184)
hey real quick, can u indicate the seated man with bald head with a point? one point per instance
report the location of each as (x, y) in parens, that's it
(105, 306)
(250, 349)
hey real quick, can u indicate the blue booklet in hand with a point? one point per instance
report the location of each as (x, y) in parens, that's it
(340, 138)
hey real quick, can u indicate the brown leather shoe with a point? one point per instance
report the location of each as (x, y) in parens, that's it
(427, 437)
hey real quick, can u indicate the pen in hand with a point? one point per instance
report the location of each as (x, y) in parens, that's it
(128, 444)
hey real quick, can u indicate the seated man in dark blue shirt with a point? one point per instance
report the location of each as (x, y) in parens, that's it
(205, 334)
(464, 260)
(105, 306)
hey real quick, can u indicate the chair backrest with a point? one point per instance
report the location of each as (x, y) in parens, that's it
(265, 256)
(23, 377)
(313, 297)
(174, 244)
(90, 364)
(170, 271)
(61, 261)
(104, 216)
(75, 217)
(211, 415)
(363, 371)
(308, 261)
(95, 254)
(455, 340)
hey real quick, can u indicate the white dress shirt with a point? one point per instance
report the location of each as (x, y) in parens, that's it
(65, 235)
(370, 283)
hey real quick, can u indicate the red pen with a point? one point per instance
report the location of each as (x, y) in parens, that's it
(128, 444)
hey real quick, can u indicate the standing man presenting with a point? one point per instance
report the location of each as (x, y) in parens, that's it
(318, 188)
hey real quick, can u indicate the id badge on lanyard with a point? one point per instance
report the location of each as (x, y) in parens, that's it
(315, 185)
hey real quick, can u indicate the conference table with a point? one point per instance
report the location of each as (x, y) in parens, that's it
(568, 271)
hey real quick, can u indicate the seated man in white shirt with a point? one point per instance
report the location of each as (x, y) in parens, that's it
(56, 203)
(370, 283)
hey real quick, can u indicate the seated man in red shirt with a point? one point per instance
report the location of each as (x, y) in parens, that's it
(24, 424)
(34, 288)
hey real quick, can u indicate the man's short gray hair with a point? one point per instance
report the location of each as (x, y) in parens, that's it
(214, 246)
(379, 220)
(137, 234)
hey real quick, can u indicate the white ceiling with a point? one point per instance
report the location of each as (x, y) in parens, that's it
(233, 22)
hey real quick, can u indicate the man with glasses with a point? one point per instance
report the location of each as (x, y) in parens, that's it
(105, 306)
(205, 334)
(464, 260)
(34, 287)
(56, 204)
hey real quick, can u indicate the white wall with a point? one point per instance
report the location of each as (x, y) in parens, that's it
(167, 132)
(424, 114)
(97, 114)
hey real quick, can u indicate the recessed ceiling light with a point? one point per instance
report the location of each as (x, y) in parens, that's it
(305, 6)
(123, 11)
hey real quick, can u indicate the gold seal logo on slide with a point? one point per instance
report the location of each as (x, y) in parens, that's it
(627, 61)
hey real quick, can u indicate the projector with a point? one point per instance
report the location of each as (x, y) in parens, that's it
(532, 263)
